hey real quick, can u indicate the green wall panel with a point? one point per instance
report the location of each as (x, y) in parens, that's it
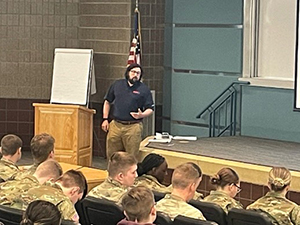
(268, 113)
(191, 93)
(208, 11)
(208, 49)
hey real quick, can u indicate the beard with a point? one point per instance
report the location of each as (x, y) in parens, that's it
(133, 80)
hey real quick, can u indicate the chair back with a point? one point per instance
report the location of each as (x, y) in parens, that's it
(101, 211)
(211, 211)
(162, 219)
(10, 216)
(247, 217)
(158, 195)
(183, 220)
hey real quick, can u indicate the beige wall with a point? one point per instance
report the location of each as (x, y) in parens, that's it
(30, 30)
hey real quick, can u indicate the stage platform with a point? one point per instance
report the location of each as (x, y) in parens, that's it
(251, 157)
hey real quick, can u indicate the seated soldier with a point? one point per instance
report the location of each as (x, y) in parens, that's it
(64, 193)
(121, 175)
(42, 213)
(11, 190)
(185, 180)
(151, 173)
(42, 148)
(227, 184)
(275, 204)
(139, 207)
(11, 153)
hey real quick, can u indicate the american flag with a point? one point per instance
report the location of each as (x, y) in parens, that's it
(135, 48)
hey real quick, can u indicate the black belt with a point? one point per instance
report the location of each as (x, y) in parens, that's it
(128, 122)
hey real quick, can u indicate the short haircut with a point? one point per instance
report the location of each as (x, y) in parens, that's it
(41, 212)
(10, 143)
(41, 146)
(73, 178)
(279, 178)
(185, 174)
(137, 203)
(120, 162)
(49, 168)
(225, 176)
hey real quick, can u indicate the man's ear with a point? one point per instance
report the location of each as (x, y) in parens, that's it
(74, 190)
(120, 176)
(1, 149)
(19, 150)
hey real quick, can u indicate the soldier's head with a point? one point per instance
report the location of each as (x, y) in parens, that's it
(227, 180)
(133, 73)
(155, 165)
(42, 147)
(11, 147)
(279, 179)
(186, 178)
(139, 205)
(73, 184)
(48, 170)
(41, 212)
(122, 167)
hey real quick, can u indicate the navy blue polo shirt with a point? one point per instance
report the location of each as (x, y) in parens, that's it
(128, 99)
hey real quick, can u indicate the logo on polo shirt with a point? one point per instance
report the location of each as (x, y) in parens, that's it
(136, 92)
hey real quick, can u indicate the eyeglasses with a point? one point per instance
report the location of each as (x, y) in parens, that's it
(239, 189)
(136, 72)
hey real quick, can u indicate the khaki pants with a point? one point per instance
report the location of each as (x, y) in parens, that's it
(122, 137)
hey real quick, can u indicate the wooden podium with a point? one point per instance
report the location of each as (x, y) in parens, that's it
(72, 128)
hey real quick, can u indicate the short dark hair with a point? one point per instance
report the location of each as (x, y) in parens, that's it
(10, 143)
(73, 178)
(130, 67)
(41, 146)
(137, 203)
(120, 162)
(41, 212)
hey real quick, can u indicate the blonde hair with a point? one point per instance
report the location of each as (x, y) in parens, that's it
(279, 178)
(185, 174)
(137, 203)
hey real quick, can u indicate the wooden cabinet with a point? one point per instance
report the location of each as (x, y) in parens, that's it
(72, 128)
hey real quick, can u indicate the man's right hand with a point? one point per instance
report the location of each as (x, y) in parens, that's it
(105, 125)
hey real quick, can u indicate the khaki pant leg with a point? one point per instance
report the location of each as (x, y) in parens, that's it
(132, 137)
(114, 139)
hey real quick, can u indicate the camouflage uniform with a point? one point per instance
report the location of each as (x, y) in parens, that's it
(53, 193)
(282, 210)
(173, 206)
(32, 169)
(7, 169)
(223, 200)
(152, 183)
(11, 191)
(110, 189)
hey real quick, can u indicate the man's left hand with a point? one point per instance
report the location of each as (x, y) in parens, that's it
(137, 115)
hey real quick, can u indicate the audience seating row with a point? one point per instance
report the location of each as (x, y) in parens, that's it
(101, 211)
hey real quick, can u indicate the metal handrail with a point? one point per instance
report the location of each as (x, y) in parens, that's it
(231, 97)
(220, 95)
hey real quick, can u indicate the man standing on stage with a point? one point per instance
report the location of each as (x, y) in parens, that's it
(132, 102)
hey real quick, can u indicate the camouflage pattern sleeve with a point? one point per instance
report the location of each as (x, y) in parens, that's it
(68, 212)
(295, 215)
(7, 169)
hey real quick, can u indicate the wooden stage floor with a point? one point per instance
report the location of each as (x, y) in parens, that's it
(256, 151)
